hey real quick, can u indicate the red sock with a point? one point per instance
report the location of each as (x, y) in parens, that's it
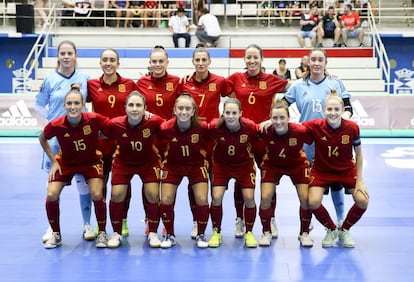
(144, 202)
(323, 217)
(216, 213)
(202, 213)
(153, 216)
(265, 216)
(238, 200)
(273, 204)
(249, 217)
(352, 217)
(100, 212)
(167, 215)
(116, 212)
(53, 213)
(127, 202)
(305, 217)
(192, 201)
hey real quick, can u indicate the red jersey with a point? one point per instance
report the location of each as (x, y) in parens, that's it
(351, 19)
(256, 93)
(77, 144)
(134, 145)
(184, 147)
(109, 100)
(207, 94)
(234, 148)
(160, 93)
(150, 4)
(333, 147)
(285, 151)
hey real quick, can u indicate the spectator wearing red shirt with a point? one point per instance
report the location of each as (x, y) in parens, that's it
(351, 26)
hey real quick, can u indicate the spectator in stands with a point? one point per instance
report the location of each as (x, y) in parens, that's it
(198, 5)
(121, 10)
(179, 25)
(329, 27)
(136, 9)
(303, 67)
(151, 11)
(282, 71)
(309, 25)
(99, 11)
(334, 3)
(40, 8)
(82, 12)
(295, 10)
(280, 7)
(351, 26)
(67, 13)
(167, 11)
(267, 11)
(208, 29)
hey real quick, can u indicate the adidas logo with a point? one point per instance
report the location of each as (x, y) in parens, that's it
(360, 115)
(18, 115)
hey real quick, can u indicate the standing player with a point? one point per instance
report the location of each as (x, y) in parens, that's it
(337, 141)
(186, 139)
(234, 138)
(134, 135)
(309, 94)
(77, 134)
(284, 156)
(108, 95)
(50, 105)
(207, 90)
(256, 90)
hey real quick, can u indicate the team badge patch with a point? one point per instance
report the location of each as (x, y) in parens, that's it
(212, 87)
(121, 88)
(243, 138)
(87, 130)
(195, 138)
(262, 85)
(146, 133)
(345, 139)
(169, 86)
(293, 141)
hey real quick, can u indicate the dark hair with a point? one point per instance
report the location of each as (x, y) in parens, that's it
(226, 102)
(201, 49)
(113, 50)
(255, 46)
(159, 48)
(306, 75)
(194, 119)
(282, 61)
(66, 42)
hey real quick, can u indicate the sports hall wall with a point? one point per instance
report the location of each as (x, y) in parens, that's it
(375, 114)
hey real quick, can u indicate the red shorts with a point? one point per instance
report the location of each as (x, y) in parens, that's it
(122, 173)
(87, 170)
(174, 173)
(323, 179)
(244, 175)
(298, 175)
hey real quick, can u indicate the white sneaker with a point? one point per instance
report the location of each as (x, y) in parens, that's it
(329, 239)
(273, 228)
(168, 242)
(202, 241)
(310, 226)
(115, 241)
(47, 234)
(54, 240)
(88, 233)
(265, 239)
(194, 230)
(102, 240)
(239, 228)
(153, 240)
(305, 240)
(346, 239)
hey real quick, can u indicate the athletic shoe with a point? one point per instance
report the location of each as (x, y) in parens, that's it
(102, 240)
(337, 45)
(249, 240)
(320, 45)
(305, 240)
(153, 240)
(201, 241)
(346, 239)
(88, 233)
(168, 242)
(47, 234)
(115, 241)
(239, 228)
(273, 228)
(194, 230)
(215, 239)
(265, 239)
(54, 240)
(329, 239)
(125, 231)
(362, 45)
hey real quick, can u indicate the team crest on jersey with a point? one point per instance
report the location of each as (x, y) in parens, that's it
(243, 138)
(121, 88)
(345, 139)
(169, 86)
(87, 130)
(293, 141)
(195, 138)
(146, 133)
(212, 87)
(262, 85)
